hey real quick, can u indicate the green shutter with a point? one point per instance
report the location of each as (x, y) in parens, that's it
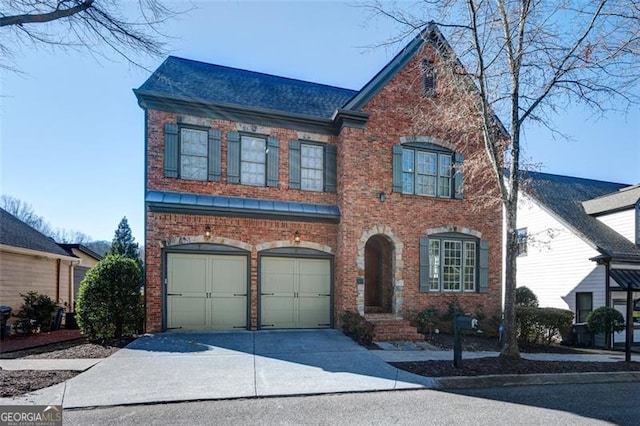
(483, 281)
(272, 162)
(233, 157)
(330, 166)
(171, 150)
(458, 177)
(397, 168)
(294, 164)
(424, 264)
(214, 155)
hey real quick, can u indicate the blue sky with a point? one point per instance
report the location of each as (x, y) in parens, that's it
(71, 132)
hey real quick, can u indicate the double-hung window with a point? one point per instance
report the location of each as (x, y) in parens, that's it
(253, 159)
(523, 241)
(427, 170)
(193, 154)
(311, 167)
(453, 263)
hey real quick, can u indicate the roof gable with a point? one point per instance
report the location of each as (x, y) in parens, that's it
(625, 198)
(563, 196)
(16, 233)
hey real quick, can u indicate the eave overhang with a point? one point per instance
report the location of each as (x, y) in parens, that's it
(194, 106)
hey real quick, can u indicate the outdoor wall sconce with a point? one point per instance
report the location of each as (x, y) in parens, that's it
(207, 232)
(296, 237)
(382, 196)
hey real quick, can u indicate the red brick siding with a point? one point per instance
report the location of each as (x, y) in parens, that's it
(364, 169)
(162, 226)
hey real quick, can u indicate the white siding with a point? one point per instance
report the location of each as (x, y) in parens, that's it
(622, 222)
(557, 264)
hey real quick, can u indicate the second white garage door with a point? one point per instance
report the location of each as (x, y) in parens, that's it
(206, 292)
(295, 293)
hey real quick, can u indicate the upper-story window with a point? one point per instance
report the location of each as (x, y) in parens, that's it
(428, 170)
(426, 173)
(312, 166)
(453, 262)
(253, 160)
(193, 154)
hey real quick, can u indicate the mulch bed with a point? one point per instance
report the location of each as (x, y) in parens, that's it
(23, 381)
(475, 343)
(497, 365)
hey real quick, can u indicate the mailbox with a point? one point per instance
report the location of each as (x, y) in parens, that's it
(466, 323)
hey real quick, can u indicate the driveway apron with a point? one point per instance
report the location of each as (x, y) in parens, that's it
(183, 366)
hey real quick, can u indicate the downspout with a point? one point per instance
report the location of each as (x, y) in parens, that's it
(58, 264)
(607, 302)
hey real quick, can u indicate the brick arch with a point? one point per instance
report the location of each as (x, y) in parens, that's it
(456, 229)
(397, 265)
(288, 243)
(200, 239)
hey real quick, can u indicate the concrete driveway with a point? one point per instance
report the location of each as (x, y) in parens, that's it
(213, 365)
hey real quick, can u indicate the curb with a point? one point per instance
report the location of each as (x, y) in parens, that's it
(535, 379)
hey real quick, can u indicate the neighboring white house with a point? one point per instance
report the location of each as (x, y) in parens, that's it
(576, 237)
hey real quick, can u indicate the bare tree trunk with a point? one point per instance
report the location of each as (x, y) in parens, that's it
(510, 348)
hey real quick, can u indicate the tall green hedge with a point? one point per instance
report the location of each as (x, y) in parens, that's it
(109, 303)
(541, 325)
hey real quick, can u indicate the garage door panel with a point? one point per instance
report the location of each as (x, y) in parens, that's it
(278, 311)
(189, 313)
(228, 313)
(295, 292)
(277, 275)
(314, 312)
(206, 291)
(229, 275)
(188, 274)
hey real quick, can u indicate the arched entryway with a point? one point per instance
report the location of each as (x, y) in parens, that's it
(378, 275)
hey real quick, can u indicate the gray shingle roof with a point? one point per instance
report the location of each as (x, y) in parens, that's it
(199, 81)
(16, 233)
(563, 195)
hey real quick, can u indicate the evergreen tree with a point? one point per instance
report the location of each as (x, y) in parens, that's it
(124, 243)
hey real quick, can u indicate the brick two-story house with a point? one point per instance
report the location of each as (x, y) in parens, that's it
(278, 203)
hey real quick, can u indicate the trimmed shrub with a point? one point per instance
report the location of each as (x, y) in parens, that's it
(426, 319)
(526, 297)
(109, 303)
(36, 313)
(357, 327)
(541, 325)
(605, 320)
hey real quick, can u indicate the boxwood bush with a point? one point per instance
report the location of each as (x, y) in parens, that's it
(109, 304)
(541, 325)
(605, 320)
(36, 313)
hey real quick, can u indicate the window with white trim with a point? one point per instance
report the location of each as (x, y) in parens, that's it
(426, 173)
(452, 265)
(253, 158)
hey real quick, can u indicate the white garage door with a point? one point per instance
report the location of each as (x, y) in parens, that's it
(206, 292)
(295, 293)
